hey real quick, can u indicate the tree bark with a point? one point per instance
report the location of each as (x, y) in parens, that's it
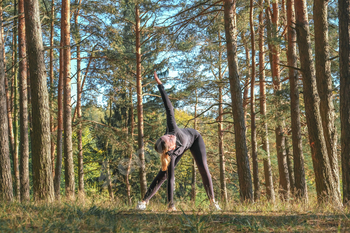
(284, 185)
(245, 180)
(67, 115)
(15, 107)
(24, 142)
(284, 182)
(290, 165)
(80, 132)
(107, 166)
(221, 133)
(194, 175)
(325, 186)
(42, 172)
(52, 32)
(344, 60)
(6, 192)
(298, 156)
(270, 192)
(246, 84)
(141, 152)
(252, 110)
(131, 140)
(324, 86)
(109, 181)
(58, 168)
(7, 91)
(9, 110)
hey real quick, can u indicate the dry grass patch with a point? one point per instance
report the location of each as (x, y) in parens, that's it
(102, 215)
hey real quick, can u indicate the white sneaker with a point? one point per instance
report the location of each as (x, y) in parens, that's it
(172, 209)
(216, 206)
(141, 205)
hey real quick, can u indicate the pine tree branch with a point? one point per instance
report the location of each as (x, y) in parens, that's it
(295, 68)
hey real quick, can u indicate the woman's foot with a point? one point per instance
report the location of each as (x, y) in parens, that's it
(141, 205)
(215, 205)
(171, 209)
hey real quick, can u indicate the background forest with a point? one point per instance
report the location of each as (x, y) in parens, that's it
(267, 84)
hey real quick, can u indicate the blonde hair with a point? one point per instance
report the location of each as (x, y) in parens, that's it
(162, 148)
(165, 159)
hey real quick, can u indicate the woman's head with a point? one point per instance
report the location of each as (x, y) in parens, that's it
(162, 146)
(165, 143)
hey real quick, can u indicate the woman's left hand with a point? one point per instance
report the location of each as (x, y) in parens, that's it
(156, 78)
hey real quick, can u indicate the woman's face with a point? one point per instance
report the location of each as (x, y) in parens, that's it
(170, 140)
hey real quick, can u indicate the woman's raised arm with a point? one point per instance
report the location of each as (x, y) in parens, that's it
(170, 116)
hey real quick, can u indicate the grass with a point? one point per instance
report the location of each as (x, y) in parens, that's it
(102, 215)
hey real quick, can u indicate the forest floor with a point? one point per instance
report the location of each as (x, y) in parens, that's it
(106, 216)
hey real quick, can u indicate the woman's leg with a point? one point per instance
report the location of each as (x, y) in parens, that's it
(200, 156)
(171, 179)
(155, 185)
(159, 180)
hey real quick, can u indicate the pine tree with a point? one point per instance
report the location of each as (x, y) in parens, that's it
(6, 192)
(299, 171)
(245, 181)
(325, 186)
(344, 59)
(42, 171)
(24, 142)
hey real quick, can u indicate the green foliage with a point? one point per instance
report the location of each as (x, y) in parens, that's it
(183, 36)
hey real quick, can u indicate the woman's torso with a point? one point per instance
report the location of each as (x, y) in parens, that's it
(185, 137)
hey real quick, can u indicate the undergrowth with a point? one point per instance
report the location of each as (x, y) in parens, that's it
(102, 215)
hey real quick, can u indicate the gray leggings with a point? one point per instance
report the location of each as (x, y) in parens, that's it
(199, 154)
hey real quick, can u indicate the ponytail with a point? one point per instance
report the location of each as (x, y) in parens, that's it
(165, 159)
(162, 148)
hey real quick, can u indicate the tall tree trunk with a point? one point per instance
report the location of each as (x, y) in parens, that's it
(298, 156)
(344, 60)
(58, 168)
(9, 109)
(221, 133)
(246, 87)
(24, 142)
(15, 107)
(252, 110)
(245, 179)
(270, 192)
(67, 117)
(6, 192)
(141, 152)
(109, 180)
(324, 86)
(194, 176)
(290, 165)
(246, 83)
(131, 140)
(325, 186)
(284, 182)
(80, 131)
(52, 32)
(7, 92)
(42, 172)
(284, 185)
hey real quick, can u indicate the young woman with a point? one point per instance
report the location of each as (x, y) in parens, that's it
(171, 147)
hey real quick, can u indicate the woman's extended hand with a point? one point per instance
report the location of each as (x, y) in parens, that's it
(156, 78)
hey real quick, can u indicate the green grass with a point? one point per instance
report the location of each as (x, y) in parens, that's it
(102, 215)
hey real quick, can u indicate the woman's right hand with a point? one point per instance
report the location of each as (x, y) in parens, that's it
(156, 78)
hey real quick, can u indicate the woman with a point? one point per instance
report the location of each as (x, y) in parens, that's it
(171, 147)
